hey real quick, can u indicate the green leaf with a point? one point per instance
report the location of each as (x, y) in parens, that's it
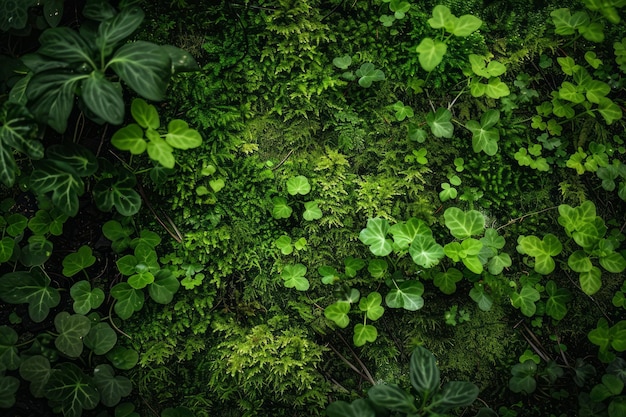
(497, 264)
(371, 306)
(556, 305)
(590, 281)
(375, 236)
(145, 115)
(364, 333)
(342, 62)
(463, 224)
(101, 338)
(64, 44)
(103, 98)
(281, 209)
(123, 358)
(294, 277)
(440, 123)
(613, 262)
(442, 18)
(358, 408)
(7, 245)
(431, 53)
(182, 61)
(181, 136)
(71, 330)
(446, 281)
(86, 299)
(36, 370)
(466, 25)
(16, 224)
(9, 355)
(377, 268)
(117, 28)
(311, 211)
(144, 66)
(579, 261)
(423, 372)
(18, 131)
(118, 192)
(72, 389)
(457, 394)
(610, 111)
(407, 295)
(369, 74)
(99, 10)
(129, 300)
(611, 386)
(338, 313)
(141, 279)
(404, 233)
(600, 336)
(353, 265)
(495, 88)
(573, 218)
(130, 138)
(402, 111)
(284, 244)
(164, 287)
(298, 185)
(481, 297)
(525, 300)
(159, 150)
(392, 397)
(425, 251)
(541, 250)
(78, 261)
(112, 388)
(32, 288)
(523, 379)
(8, 388)
(66, 186)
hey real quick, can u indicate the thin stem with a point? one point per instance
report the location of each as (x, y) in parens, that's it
(520, 219)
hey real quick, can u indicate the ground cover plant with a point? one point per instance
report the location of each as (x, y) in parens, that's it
(312, 207)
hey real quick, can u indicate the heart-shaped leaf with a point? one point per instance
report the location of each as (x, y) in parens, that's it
(407, 295)
(466, 25)
(112, 388)
(404, 233)
(145, 114)
(101, 338)
(284, 244)
(523, 379)
(164, 287)
(78, 261)
(123, 358)
(298, 185)
(71, 329)
(72, 389)
(311, 211)
(371, 306)
(342, 62)
(375, 236)
(181, 136)
(446, 281)
(86, 299)
(364, 333)
(130, 138)
(129, 300)
(425, 251)
(542, 250)
(30, 287)
(9, 356)
(36, 370)
(440, 123)
(431, 53)
(353, 265)
(525, 300)
(556, 305)
(464, 224)
(294, 277)
(369, 74)
(338, 313)
(281, 209)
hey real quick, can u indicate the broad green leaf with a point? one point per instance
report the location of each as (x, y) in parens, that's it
(114, 30)
(525, 300)
(7, 245)
(65, 44)
(446, 281)
(466, 25)
(590, 281)
(613, 262)
(589, 234)
(424, 372)
(37, 252)
(541, 250)
(569, 92)
(311, 211)
(596, 90)
(103, 98)
(145, 114)
(338, 313)
(425, 251)
(144, 66)
(128, 300)
(8, 388)
(99, 10)
(371, 306)
(112, 388)
(281, 209)
(298, 185)
(36, 370)
(85, 299)
(480, 296)
(72, 389)
(284, 244)
(101, 338)
(130, 138)
(181, 136)
(342, 62)
(118, 192)
(402, 111)
(573, 218)
(71, 330)
(358, 408)
(440, 123)
(405, 232)
(611, 386)
(182, 61)
(579, 261)
(164, 287)
(369, 74)
(392, 398)
(51, 176)
(77, 261)
(431, 53)
(375, 236)
(457, 394)
(159, 150)
(407, 295)
(18, 130)
(32, 288)
(16, 224)
(353, 265)
(123, 358)
(495, 88)
(141, 279)
(442, 18)
(464, 224)
(294, 277)
(78, 158)
(364, 333)
(556, 305)
(9, 355)
(610, 111)
(523, 379)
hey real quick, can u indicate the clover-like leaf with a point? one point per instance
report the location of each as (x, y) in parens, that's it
(36, 370)
(525, 300)
(9, 356)
(431, 53)
(128, 299)
(342, 62)
(30, 287)
(294, 277)
(86, 299)
(338, 313)
(298, 185)
(404, 233)
(466, 25)
(353, 265)
(311, 211)
(590, 281)
(407, 295)
(181, 136)
(464, 224)
(402, 111)
(498, 262)
(123, 358)
(101, 338)
(71, 329)
(371, 306)
(523, 379)
(369, 74)
(284, 244)
(556, 305)
(145, 114)
(8, 388)
(281, 209)
(542, 250)
(446, 281)
(375, 236)
(425, 251)
(130, 138)
(440, 123)
(164, 286)
(111, 387)
(77, 261)
(364, 333)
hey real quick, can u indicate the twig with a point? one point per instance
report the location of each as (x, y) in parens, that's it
(113, 324)
(283, 161)
(520, 219)
(347, 362)
(361, 364)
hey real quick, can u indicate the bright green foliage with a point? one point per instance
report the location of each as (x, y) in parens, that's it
(311, 211)
(556, 304)
(525, 300)
(281, 209)
(407, 295)
(368, 74)
(364, 333)
(440, 123)
(567, 24)
(464, 224)
(431, 53)
(484, 135)
(298, 185)
(606, 337)
(542, 250)
(375, 236)
(466, 251)
(294, 277)
(370, 305)
(338, 313)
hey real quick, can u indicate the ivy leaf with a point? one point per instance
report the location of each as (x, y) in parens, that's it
(353, 265)
(464, 224)
(298, 185)
(85, 299)
(281, 209)
(523, 379)
(364, 333)
(9, 355)
(119, 192)
(613, 262)
(407, 295)
(36, 370)
(484, 136)
(60, 180)
(128, 300)
(181, 136)
(112, 388)
(369, 74)
(375, 236)
(159, 150)
(342, 62)
(497, 264)
(481, 297)
(311, 211)
(8, 388)
(123, 358)
(164, 286)
(610, 111)
(30, 287)
(466, 25)
(404, 233)
(579, 261)
(338, 313)
(431, 53)
(556, 305)
(72, 389)
(145, 114)
(71, 330)
(525, 300)
(425, 251)
(371, 306)
(440, 123)
(590, 281)
(130, 138)
(442, 18)
(294, 277)
(402, 111)
(446, 281)
(541, 250)
(101, 338)
(75, 262)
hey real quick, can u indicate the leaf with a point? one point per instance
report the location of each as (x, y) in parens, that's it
(610, 111)
(338, 313)
(101, 338)
(579, 261)
(457, 394)
(446, 281)
(159, 150)
(182, 61)
(281, 209)
(180, 136)
(371, 306)
(463, 224)
(164, 287)
(392, 397)
(117, 28)
(145, 115)
(298, 185)
(64, 44)
(342, 62)
(613, 262)
(72, 389)
(284, 244)
(480, 296)
(112, 388)
(402, 111)
(375, 236)
(18, 131)
(423, 372)
(129, 300)
(405, 232)
(466, 25)
(541, 250)
(590, 281)
(358, 408)
(442, 18)
(495, 88)
(353, 265)
(525, 300)
(62, 181)
(103, 98)
(123, 358)
(71, 329)
(75, 262)
(369, 74)
(99, 10)
(144, 66)
(431, 53)
(32, 288)
(293, 275)
(8, 388)
(118, 192)
(440, 123)
(364, 333)
(407, 295)
(36, 370)
(523, 379)
(130, 138)
(311, 211)
(556, 305)
(377, 268)
(86, 299)
(9, 355)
